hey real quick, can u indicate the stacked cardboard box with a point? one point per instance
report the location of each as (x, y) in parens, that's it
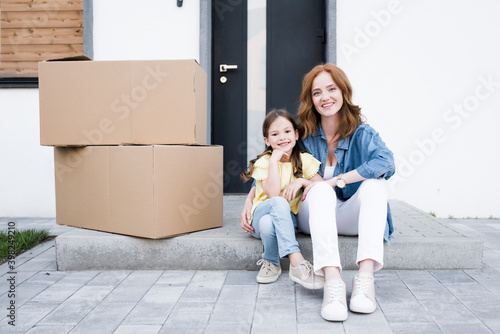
(130, 151)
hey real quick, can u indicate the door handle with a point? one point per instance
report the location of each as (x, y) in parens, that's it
(225, 67)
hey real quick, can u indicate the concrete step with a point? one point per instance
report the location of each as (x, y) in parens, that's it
(420, 242)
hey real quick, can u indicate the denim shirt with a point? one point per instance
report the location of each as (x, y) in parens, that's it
(363, 151)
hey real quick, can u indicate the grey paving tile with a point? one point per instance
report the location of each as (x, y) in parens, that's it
(266, 314)
(242, 314)
(50, 330)
(51, 267)
(155, 306)
(429, 289)
(27, 261)
(134, 329)
(486, 310)
(188, 318)
(45, 278)
(209, 279)
(399, 305)
(415, 328)
(19, 277)
(199, 294)
(77, 278)
(236, 304)
(73, 310)
(493, 245)
(382, 283)
(324, 327)
(238, 294)
(134, 287)
(285, 328)
(365, 323)
(176, 277)
(472, 291)
(491, 258)
(55, 294)
(382, 275)
(234, 328)
(308, 303)
(204, 287)
(241, 277)
(282, 293)
(46, 246)
(26, 293)
(464, 328)
(488, 277)
(493, 323)
(406, 275)
(451, 276)
(103, 319)
(444, 312)
(28, 315)
(464, 228)
(109, 277)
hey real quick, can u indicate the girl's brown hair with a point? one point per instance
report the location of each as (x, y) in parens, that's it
(295, 158)
(349, 114)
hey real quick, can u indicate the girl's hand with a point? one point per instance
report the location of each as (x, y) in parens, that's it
(279, 155)
(245, 217)
(291, 190)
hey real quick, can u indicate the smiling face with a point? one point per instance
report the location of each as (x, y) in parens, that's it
(281, 135)
(326, 96)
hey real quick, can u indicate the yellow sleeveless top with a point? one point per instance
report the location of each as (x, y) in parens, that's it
(310, 167)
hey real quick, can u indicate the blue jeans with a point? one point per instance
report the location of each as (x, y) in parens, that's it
(275, 224)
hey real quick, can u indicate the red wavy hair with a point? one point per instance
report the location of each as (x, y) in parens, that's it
(349, 114)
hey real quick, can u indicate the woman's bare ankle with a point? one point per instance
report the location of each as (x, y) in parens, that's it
(331, 273)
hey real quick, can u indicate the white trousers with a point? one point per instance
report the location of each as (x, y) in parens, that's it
(324, 217)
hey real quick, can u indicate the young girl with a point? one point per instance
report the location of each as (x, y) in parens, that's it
(281, 172)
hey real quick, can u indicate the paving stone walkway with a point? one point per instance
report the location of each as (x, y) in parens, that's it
(423, 301)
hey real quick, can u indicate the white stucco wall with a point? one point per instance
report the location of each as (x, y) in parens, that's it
(148, 29)
(419, 75)
(26, 168)
(427, 77)
(124, 29)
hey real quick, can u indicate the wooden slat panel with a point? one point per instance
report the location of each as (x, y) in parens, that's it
(19, 69)
(14, 65)
(40, 5)
(37, 30)
(41, 36)
(63, 19)
(26, 53)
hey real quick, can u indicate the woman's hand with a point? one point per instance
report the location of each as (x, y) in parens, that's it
(290, 192)
(310, 183)
(307, 188)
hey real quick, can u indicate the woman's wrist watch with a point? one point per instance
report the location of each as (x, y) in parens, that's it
(341, 182)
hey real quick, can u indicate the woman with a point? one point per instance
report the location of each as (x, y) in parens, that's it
(352, 200)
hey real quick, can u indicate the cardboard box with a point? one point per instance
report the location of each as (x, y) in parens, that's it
(145, 191)
(84, 102)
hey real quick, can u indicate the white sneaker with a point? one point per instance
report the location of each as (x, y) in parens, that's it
(268, 273)
(363, 294)
(334, 306)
